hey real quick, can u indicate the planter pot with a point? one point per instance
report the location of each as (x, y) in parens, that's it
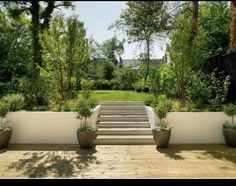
(161, 138)
(86, 138)
(5, 137)
(139, 90)
(146, 89)
(230, 137)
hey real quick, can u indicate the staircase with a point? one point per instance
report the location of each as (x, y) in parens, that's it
(123, 123)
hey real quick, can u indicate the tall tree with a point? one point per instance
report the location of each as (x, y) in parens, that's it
(112, 48)
(232, 45)
(15, 52)
(194, 21)
(64, 49)
(40, 12)
(142, 21)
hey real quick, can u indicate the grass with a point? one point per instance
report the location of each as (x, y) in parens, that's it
(119, 95)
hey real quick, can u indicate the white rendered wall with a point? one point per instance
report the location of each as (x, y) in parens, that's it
(193, 127)
(47, 127)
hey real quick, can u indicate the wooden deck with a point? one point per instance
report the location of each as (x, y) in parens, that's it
(118, 161)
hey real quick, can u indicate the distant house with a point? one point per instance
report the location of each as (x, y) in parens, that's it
(135, 63)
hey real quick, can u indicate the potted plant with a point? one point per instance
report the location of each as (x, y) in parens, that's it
(85, 133)
(138, 85)
(229, 128)
(162, 132)
(5, 129)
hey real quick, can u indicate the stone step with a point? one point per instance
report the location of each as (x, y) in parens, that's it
(124, 131)
(123, 139)
(120, 124)
(121, 103)
(125, 107)
(122, 112)
(122, 118)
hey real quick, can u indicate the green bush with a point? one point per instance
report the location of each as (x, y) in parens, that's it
(14, 101)
(162, 108)
(115, 84)
(36, 93)
(167, 81)
(4, 125)
(103, 84)
(230, 110)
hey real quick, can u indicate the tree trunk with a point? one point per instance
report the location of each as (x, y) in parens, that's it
(148, 59)
(232, 25)
(37, 57)
(194, 21)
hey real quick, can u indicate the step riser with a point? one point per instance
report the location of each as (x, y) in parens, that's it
(123, 141)
(121, 125)
(123, 119)
(135, 132)
(122, 103)
(122, 108)
(122, 112)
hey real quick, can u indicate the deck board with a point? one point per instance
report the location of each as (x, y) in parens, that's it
(119, 161)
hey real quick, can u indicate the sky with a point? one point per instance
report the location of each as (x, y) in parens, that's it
(99, 15)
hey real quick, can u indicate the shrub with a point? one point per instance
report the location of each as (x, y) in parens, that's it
(115, 84)
(14, 101)
(167, 84)
(103, 84)
(4, 125)
(230, 110)
(176, 105)
(162, 108)
(36, 93)
(151, 101)
(84, 108)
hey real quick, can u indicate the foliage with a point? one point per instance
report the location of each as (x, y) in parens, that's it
(232, 25)
(15, 52)
(176, 106)
(207, 89)
(167, 81)
(14, 101)
(151, 100)
(213, 29)
(139, 85)
(40, 13)
(85, 104)
(112, 48)
(64, 50)
(108, 69)
(212, 39)
(154, 82)
(143, 21)
(198, 87)
(228, 125)
(4, 125)
(4, 109)
(181, 54)
(162, 108)
(87, 86)
(101, 69)
(230, 110)
(36, 93)
(218, 89)
(127, 78)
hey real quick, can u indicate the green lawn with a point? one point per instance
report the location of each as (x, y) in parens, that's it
(118, 95)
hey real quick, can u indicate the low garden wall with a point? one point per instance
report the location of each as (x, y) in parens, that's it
(46, 127)
(193, 127)
(60, 127)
